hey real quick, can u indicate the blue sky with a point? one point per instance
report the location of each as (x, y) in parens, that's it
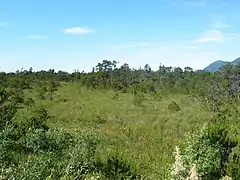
(77, 34)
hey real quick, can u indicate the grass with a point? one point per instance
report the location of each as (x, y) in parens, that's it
(144, 135)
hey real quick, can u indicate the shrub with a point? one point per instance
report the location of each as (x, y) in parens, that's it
(174, 107)
(234, 166)
(42, 90)
(138, 99)
(7, 145)
(50, 154)
(8, 106)
(209, 149)
(116, 96)
(37, 166)
(118, 169)
(81, 157)
(29, 102)
(46, 141)
(99, 119)
(158, 96)
(36, 121)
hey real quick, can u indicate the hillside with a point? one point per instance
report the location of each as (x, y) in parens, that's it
(215, 66)
(236, 61)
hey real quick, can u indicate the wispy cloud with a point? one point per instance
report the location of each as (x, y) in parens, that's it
(232, 36)
(219, 25)
(216, 36)
(200, 55)
(211, 35)
(78, 30)
(34, 36)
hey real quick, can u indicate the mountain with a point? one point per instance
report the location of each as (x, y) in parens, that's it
(215, 66)
(236, 61)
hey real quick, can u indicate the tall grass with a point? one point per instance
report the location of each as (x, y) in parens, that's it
(135, 135)
(145, 134)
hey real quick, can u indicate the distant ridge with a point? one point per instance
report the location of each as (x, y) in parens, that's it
(236, 61)
(215, 66)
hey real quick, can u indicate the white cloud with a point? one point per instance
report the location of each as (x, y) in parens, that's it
(211, 35)
(232, 36)
(200, 55)
(219, 25)
(78, 30)
(216, 36)
(34, 36)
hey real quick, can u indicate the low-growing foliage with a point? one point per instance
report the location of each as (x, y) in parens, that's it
(59, 125)
(174, 107)
(29, 102)
(116, 96)
(139, 99)
(209, 149)
(233, 168)
(117, 169)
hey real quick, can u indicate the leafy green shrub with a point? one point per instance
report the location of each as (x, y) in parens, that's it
(158, 96)
(42, 90)
(209, 149)
(16, 96)
(37, 121)
(46, 141)
(81, 157)
(52, 88)
(138, 99)
(123, 89)
(51, 153)
(38, 166)
(29, 102)
(8, 106)
(99, 119)
(234, 166)
(116, 96)
(62, 99)
(95, 176)
(8, 173)
(152, 89)
(118, 169)
(7, 145)
(174, 107)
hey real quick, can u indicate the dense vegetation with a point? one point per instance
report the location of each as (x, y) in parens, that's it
(120, 123)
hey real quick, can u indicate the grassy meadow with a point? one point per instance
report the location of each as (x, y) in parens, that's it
(120, 123)
(144, 134)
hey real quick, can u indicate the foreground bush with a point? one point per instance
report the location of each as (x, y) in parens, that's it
(209, 150)
(54, 154)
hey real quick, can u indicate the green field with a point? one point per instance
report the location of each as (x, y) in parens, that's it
(120, 123)
(143, 135)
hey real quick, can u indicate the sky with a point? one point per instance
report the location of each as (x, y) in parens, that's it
(77, 34)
